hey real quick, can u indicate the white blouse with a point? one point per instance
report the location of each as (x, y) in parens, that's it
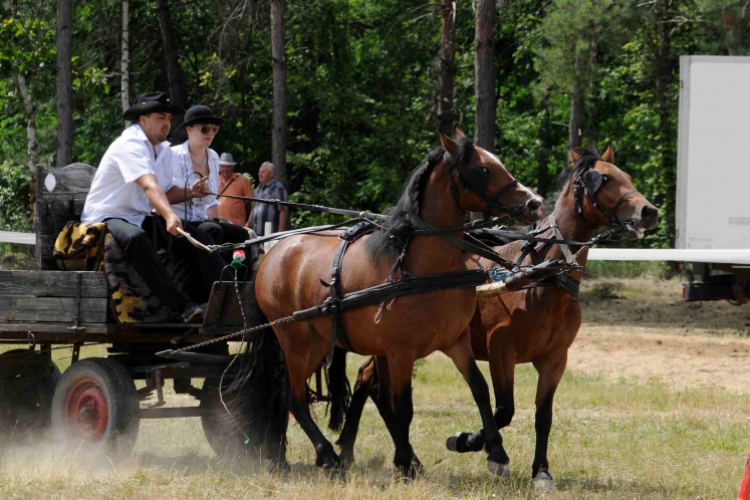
(195, 209)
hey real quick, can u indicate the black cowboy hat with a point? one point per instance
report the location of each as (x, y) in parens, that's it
(153, 102)
(200, 114)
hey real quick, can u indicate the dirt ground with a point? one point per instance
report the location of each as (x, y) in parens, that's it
(638, 329)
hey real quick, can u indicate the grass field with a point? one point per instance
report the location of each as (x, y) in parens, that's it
(654, 405)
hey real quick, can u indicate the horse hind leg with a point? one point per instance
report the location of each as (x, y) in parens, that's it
(303, 355)
(364, 388)
(550, 372)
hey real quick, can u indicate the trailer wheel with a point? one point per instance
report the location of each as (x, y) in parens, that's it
(96, 406)
(27, 385)
(224, 430)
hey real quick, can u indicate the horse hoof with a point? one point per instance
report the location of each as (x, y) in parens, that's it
(498, 469)
(347, 458)
(416, 465)
(452, 442)
(543, 481)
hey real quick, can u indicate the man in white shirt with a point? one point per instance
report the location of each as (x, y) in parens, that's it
(133, 177)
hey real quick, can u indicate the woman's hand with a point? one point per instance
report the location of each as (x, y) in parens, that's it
(200, 188)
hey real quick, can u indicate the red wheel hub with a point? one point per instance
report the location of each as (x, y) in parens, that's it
(86, 411)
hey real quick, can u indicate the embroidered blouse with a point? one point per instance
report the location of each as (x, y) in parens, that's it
(195, 209)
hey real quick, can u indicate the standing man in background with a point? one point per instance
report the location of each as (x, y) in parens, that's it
(269, 189)
(235, 211)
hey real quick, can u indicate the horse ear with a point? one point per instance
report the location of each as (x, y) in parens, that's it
(448, 144)
(458, 132)
(609, 155)
(573, 157)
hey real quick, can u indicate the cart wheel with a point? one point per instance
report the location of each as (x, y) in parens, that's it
(224, 430)
(96, 406)
(27, 384)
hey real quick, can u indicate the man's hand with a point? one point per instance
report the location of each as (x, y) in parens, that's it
(173, 222)
(200, 188)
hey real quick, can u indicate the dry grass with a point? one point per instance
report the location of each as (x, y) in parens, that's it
(612, 437)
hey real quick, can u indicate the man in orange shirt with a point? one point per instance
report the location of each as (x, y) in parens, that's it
(234, 210)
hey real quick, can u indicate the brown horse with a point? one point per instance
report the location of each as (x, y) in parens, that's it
(535, 325)
(455, 179)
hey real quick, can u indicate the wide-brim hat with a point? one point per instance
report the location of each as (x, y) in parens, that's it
(226, 159)
(200, 114)
(153, 102)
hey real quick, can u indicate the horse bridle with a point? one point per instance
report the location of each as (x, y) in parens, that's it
(474, 179)
(591, 181)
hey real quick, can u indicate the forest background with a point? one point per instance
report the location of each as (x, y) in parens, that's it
(367, 85)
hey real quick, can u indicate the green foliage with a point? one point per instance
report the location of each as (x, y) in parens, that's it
(14, 197)
(363, 80)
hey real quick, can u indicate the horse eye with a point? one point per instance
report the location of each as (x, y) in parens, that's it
(605, 178)
(485, 170)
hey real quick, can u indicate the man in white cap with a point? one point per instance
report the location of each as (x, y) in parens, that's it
(233, 184)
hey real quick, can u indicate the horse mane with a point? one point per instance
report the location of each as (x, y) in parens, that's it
(587, 159)
(390, 241)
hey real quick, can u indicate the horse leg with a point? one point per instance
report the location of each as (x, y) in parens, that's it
(550, 372)
(366, 386)
(503, 372)
(463, 357)
(303, 354)
(400, 369)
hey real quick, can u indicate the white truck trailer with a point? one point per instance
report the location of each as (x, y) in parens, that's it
(713, 181)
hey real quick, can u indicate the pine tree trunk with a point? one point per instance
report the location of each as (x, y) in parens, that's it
(663, 63)
(125, 59)
(31, 141)
(64, 83)
(545, 147)
(577, 103)
(484, 75)
(448, 70)
(30, 108)
(278, 52)
(171, 60)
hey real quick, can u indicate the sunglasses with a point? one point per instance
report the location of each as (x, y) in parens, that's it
(209, 128)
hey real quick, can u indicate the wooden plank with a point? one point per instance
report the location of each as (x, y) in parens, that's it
(61, 309)
(223, 307)
(52, 283)
(52, 215)
(43, 252)
(73, 179)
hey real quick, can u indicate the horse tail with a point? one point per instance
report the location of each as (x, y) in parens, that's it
(259, 384)
(339, 390)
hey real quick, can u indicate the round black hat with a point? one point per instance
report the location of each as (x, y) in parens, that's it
(153, 102)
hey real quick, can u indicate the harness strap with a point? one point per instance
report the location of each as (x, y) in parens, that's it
(405, 286)
(470, 244)
(345, 239)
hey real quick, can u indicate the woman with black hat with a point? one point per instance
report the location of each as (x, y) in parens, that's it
(194, 159)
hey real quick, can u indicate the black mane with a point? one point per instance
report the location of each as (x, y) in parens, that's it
(389, 241)
(586, 161)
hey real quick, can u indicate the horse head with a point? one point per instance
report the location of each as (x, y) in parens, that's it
(481, 183)
(605, 195)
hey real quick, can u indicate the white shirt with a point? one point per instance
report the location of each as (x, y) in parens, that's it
(194, 209)
(114, 192)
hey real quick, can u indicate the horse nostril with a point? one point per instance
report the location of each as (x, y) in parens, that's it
(534, 204)
(649, 214)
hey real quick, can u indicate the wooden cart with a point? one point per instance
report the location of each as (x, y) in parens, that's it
(96, 402)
